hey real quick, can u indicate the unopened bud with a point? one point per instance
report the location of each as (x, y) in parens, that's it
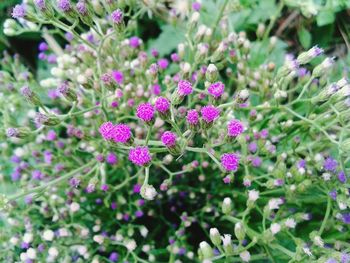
(239, 231)
(227, 206)
(215, 236)
(211, 73)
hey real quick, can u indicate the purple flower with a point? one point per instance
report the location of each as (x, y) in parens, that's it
(169, 139)
(51, 135)
(210, 113)
(145, 112)
(81, 7)
(64, 5)
(196, 6)
(138, 213)
(52, 59)
(162, 105)
(111, 158)
(19, 11)
(140, 155)
(117, 16)
(192, 117)
(346, 218)
(256, 162)
(333, 194)
(137, 188)
(107, 130)
(12, 132)
(163, 63)
(118, 76)
(234, 128)
(342, 177)
(315, 51)
(230, 161)
(43, 46)
(216, 89)
(37, 175)
(104, 187)
(156, 89)
(113, 257)
(330, 164)
(184, 88)
(134, 42)
(121, 133)
(252, 147)
(175, 57)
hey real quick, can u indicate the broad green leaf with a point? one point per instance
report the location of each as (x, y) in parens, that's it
(325, 17)
(304, 38)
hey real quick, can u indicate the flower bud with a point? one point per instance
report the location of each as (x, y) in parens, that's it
(205, 250)
(48, 120)
(307, 56)
(227, 206)
(22, 132)
(215, 236)
(227, 244)
(239, 231)
(322, 68)
(260, 30)
(68, 93)
(30, 96)
(148, 192)
(211, 73)
(242, 96)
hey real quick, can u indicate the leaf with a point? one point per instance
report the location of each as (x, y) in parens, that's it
(167, 40)
(304, 38)
(325, 17)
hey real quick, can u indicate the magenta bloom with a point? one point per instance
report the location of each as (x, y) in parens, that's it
(19, 11)
(107, 130)
(134, 42)
(140, 155)
(216, 89)
(40, 4)
(117, 16)
(145, 112)
(81, 8)
(162, 104)
(230, 161)
(184, 88)
(169, 139)
(234, 128)
(210, 113)
(196, 6)
(163, 63)
(111, 158)
(192, 117)
(118, 76)
(175, 57)
(156, 89)
(121, 133)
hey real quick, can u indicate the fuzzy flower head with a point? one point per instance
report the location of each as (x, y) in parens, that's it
(210, 113)
(140, 155)
(216, 89)
(134, 42)
(117, 16)
(145, 112)
(192, 117)
(169, 139)
(19, 11)
(330, 164)
(162, 105)
(82, 8)
(230, 161)
(234, 128)
(118, 76)
(121, 133)
(64, 5)
(107, 130)
(184, 88)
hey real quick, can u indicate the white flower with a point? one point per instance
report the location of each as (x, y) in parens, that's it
(253, 195)
(318, 241)
(130, 245)
(31, 253)
(245, 256)
(53, 252)
(98, 239)
(28, 237)
(226, 240)
(148, 192)
(307, 251)
(342, 205)
(48, 235)
(326, 176)
(275, 203)
(14, 240)
(74, 207)
(275, 228)
(290, 223)
(143, 231)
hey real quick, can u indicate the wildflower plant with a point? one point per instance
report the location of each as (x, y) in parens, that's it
(210, 151)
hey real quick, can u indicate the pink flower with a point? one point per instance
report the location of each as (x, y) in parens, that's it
(169, 139)
(192, 117)
(163, 63)
(117, 16)
(216, 89)
(106, 130)
(140, 155)
(234, 128)
(111, 158)
(230, 161)
(210, 113)
(184, 88)
(145, 112)
(121, 133)
(156, 89)
(162, 104)
(118, 76)
(134, 42)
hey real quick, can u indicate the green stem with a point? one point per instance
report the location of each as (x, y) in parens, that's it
(325, 219)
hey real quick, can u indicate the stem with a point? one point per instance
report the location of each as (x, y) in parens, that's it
(52, 182)
(325, 219)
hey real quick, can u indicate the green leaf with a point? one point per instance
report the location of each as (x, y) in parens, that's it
(167, 40)
(304, 38)
(325, 17)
